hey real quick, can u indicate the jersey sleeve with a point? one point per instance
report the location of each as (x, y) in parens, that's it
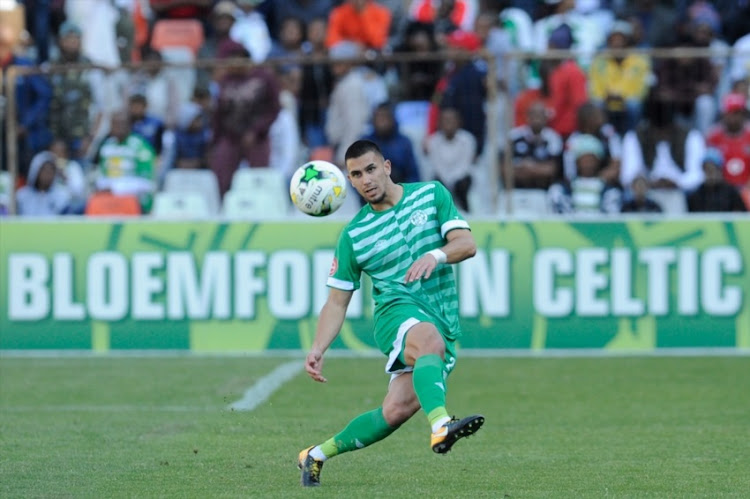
(345, 271)
(447, 213)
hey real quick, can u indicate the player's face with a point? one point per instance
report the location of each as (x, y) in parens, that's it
(369, 174)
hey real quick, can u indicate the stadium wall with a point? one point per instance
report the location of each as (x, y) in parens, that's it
(632, 284)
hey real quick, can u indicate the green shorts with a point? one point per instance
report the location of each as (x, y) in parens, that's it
(390, 335)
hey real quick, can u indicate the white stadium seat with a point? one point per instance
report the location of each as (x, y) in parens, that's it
(524, 203)
(203, 182)
(251, 205)
(260, 179)
(180, 205)
(672, 201)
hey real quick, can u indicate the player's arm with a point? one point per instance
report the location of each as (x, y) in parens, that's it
(329, 324)
(459, 246)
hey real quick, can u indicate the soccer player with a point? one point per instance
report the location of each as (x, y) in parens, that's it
(404, 238)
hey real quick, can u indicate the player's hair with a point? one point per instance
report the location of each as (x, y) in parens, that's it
(360, 148)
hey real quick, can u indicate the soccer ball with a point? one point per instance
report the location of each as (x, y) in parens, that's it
(318, 188)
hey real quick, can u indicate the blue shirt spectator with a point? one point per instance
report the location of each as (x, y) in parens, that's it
(395, 146)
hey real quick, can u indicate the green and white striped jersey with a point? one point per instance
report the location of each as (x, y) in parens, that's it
(384, 244)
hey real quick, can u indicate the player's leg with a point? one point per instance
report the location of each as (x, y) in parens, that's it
(399, 405)
(425, 349)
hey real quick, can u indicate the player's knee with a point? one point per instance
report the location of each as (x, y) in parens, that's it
(425, 339)
(396, 414)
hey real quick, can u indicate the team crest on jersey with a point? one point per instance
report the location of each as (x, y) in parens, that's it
(334, 266)
(419, 217)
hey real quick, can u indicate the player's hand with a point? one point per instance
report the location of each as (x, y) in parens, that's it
(314, 366)
(422, 268)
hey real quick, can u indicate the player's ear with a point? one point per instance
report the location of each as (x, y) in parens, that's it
(387, 166)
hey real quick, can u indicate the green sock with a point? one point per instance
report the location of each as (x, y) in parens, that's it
(364, 430)
(430, 386)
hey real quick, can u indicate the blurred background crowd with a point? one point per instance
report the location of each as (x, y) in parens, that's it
(644, 107)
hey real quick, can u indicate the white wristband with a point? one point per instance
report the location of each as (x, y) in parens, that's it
(439, 255)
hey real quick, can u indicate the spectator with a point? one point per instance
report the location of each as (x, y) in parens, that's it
(144, 123)
(703, 26)
(447, 16)
(466, 90)
(72, 95)
(419, 78)
(517, 24)
(656, 20)
(250, 30)
(220, 22)
(667, 153)
(317, 83)
(590, 121)
(639, 201)
(732, 138)
(364, 22)
(536, 150)
(191, 140)
(126, 163)
(43, 195)
(587, 193)
(284, 133)
(180, 9)
(275, 11)
(451, 151)
(619, 84)
(70, 174)
(715, 194)
(247, 105)
(156, 87)
(394, 145)
(586, 33)
(740, 64)
(33, 94)
(351, 104)
(291, 36)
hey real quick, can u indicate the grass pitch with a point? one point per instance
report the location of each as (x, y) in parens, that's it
(160, 427)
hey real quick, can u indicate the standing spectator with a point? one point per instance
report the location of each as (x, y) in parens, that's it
(639, 201)
(466, 89)
(587, 193)
(126, 163)
(419, 78)
(351, 103)
(250, 30)
(43, 195)
(394, 145)
(715, 194)
(220, 22)
(72, 96)
(144, 123)
(732, 138)
(590, 121)
(275, 11)
(451, 152)
(247, 105)
(364, 22)
(33, 94)
(619, 84)
(317, 83)
(537, 150)
(667, 153)
(70, 173)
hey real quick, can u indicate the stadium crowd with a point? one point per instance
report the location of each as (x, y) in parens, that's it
(596, 132)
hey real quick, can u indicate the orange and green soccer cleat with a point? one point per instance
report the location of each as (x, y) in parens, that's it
(454, 430)
(310, 468)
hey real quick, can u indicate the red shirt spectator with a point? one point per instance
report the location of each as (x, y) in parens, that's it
(732, 137)
(462, 12)
(360, 21)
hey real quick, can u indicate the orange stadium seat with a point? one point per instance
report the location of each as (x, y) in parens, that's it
(103, 204)
(168, 33)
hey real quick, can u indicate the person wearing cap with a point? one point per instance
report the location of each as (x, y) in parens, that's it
(587, 193)
(715, 194)
(43, 194)
(363, 22)
(731, 136)
(618, 84)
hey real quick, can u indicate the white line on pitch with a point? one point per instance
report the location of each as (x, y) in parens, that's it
(266, 386)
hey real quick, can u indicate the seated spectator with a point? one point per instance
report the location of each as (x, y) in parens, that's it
(356, 92)
(537, 150)
(250, 30)
(451, 151)
(156, 88)
(191, 139)
(363, 22)
(43, 195)
(619, 84)
(667, 153)
(731, 136)
(590, 121)
(71, 174)
(639, 201)
(246, 107)
(144, 123)
(418, 79)
(715, 194)
(126, 163)
(291, 37)
(393, 144)
(587, 192)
